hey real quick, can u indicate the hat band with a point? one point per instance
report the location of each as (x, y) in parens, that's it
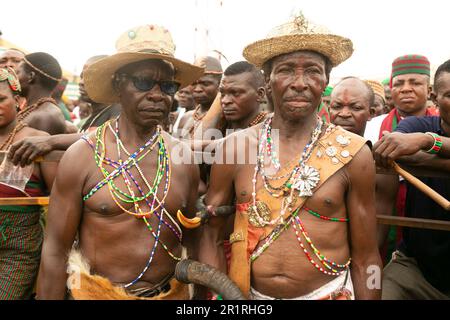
(145, 45)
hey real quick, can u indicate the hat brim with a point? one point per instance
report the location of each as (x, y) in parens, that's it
(336, 48)
(98, 76)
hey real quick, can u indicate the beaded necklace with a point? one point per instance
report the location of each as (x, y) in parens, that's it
(10, 138)
(123, 168)
(258, 119)
(178, 233)
(286, 189)
(196, 115)
(329, 267)
(164, 159)
(28, 110)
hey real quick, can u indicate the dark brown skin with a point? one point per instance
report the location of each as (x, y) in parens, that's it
(116, 244)
(8, 102)
(409, 147)
(48, 117)
(27, 150)
(283, 271)
(45, 171)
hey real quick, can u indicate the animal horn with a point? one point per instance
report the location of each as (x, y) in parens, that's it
(190, 271)
(188, 223)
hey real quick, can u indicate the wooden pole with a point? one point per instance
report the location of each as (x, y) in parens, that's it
(24, 201)
(444, 203)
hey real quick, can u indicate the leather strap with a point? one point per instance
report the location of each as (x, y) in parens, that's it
(333, 151)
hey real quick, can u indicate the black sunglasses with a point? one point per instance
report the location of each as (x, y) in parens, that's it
(146, 84)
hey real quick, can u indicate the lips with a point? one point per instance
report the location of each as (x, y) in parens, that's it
(407, 99)
(229, 110)
(151, 110)
(343, 123)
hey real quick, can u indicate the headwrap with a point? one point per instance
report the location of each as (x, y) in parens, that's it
(327, 92)
(8, 74)
(377, 88)
(410, 63)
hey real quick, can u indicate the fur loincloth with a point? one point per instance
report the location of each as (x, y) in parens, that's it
(85, 286)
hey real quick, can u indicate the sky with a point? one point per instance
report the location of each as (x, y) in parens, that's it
(72, 31)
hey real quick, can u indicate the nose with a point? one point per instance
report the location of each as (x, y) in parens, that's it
(155, 93)
(197, 88)
(405, 87)
(345, 113)
(225, 100)
(298, 82)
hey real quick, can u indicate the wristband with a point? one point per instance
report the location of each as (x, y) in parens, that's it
(437, 145)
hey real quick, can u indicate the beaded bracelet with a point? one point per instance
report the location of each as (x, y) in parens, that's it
(437, 145)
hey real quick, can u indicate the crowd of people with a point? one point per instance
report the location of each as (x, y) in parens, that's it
(263, 171)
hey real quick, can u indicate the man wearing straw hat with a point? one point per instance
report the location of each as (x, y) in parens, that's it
(305, 219)
(379, 103)
(419, 267)
(120, 187)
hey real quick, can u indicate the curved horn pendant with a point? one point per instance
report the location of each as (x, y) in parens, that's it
(188, 223)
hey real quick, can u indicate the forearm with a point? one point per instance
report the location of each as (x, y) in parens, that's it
(64, 141)
(366, 277)
(52, 277)
(427, 161)
(211, 248)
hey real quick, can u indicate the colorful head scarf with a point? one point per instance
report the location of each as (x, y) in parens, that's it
(410, 63)
(8, 74)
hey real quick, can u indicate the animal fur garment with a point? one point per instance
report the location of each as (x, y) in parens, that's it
(86, 286)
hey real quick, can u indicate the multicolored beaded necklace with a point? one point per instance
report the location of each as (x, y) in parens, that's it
(285, 189)
(122, 168)
(289, 195)
(329, 267)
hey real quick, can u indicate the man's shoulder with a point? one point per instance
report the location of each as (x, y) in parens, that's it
(346, 138)
(419, 124)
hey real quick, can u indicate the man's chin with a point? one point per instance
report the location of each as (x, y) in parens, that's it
(347, 127)
(409, 108)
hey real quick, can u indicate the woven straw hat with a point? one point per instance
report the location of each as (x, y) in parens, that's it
(137, 44)
(377, 88)
(210, 64)
(299, 34)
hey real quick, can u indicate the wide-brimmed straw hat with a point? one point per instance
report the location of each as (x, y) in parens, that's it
(210, 64)
(137, 44)
(296, 35)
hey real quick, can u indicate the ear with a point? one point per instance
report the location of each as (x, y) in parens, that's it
(17, 99)
(261, 92)
(430, 89)
(433, 97)
(31, 77)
